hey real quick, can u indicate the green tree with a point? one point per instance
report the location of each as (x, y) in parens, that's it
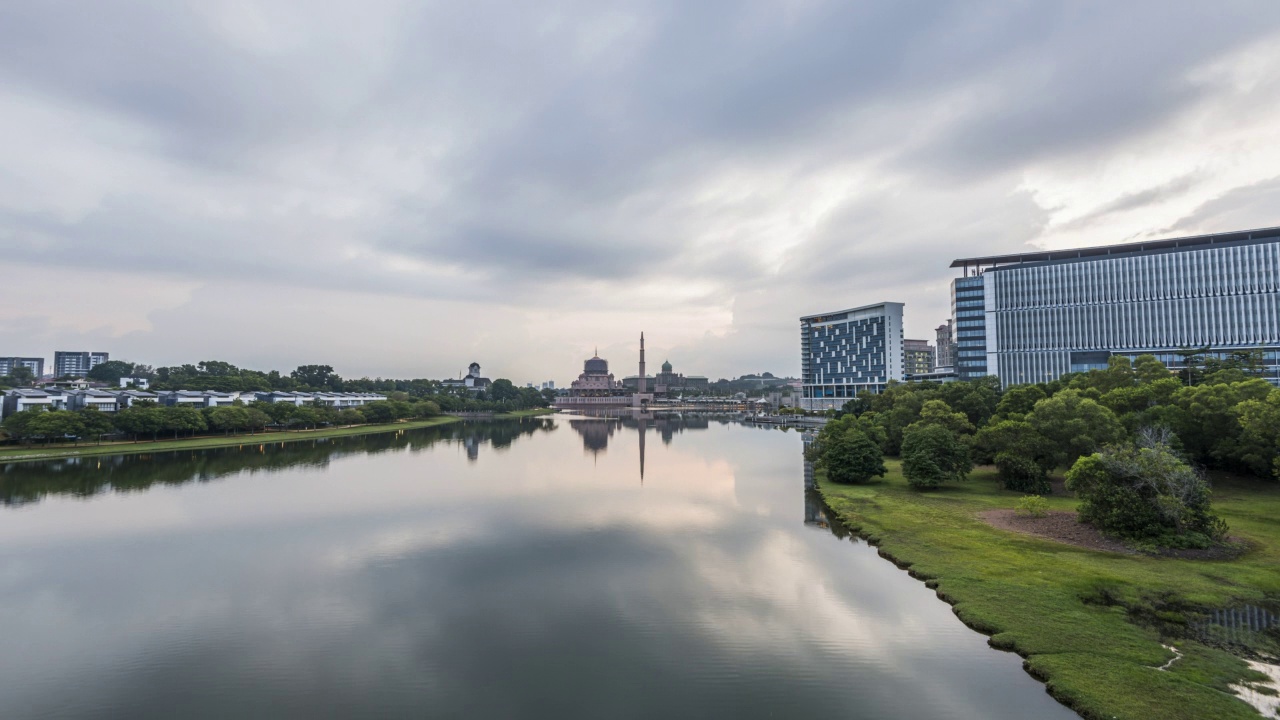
(21, 375)
(305, 416)
(1145, 493)
(96, 423)
(937, 412)
(932, 454)
(350, 416)
(255, 419)
(110, 371)
(227, 419)
(1018, 400)
(1075, 425)
(852, 457)
(1259, 443)
(181, 420)
(139, 420)
(1205, 419)
(1020, 453)
(503, 390)
(317, 376)
(379, 411)
(56, 425)
(977, 399)
(18, 425)
(1148, 369)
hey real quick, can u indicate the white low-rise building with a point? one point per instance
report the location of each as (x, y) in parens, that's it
(128, 398)
(182, 398)
(97, 399)
(21, 399)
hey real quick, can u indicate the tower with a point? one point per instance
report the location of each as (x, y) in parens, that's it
(642, 386)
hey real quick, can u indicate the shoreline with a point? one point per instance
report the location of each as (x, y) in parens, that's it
(1093, 626)
(37, 454)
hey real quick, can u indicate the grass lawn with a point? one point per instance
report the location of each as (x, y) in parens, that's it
(1068, 610)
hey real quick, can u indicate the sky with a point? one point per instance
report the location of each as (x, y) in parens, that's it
(399, 188)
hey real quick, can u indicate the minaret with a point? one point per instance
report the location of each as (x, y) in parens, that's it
(643, 385)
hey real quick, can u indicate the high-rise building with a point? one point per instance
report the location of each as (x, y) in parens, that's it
(918, 357)
(76, 363)
(848, 352)
(35, 365)
(1032, 317)
(946, 345)
(968, 313)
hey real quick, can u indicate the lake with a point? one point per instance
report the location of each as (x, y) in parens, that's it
(557, 567)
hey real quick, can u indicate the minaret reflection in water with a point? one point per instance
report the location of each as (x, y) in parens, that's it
(597, 429)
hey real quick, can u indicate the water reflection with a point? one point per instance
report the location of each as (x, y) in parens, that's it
(27, 482)
(534, 583)
(596, 428)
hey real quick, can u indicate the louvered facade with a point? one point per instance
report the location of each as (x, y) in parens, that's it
(1053, 313)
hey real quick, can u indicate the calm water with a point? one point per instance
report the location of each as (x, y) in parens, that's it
(506, 570)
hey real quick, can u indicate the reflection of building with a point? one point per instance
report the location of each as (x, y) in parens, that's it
(1032, 317)
(917, 357)
(849, 352)
(595, 432)
(472, 381)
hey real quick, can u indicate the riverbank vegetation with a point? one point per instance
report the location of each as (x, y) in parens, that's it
(1164, 465)
(193, 440)
(1092, 625)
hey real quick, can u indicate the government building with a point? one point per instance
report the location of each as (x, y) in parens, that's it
(845, 353)
(1031, 317)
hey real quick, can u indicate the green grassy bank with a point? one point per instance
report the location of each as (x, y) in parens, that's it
(53, 452)
(1085, 621)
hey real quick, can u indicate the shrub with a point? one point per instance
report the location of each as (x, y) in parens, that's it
(1032, 506)
(852, 457)
(1021, 473)
(932, 455)
(1146, 494)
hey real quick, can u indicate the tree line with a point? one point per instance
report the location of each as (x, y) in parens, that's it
(149, 420)
(1134, 439)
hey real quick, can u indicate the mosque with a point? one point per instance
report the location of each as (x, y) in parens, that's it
(596, 387)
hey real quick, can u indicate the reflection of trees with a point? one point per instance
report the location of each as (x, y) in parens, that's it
(22, 483)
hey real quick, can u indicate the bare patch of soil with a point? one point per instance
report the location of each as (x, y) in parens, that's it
(1058, 525)
(1062, 526)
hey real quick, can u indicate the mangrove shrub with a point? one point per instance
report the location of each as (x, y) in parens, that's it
(1146, 493)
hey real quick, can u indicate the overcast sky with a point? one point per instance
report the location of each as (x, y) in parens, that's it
(400, 188)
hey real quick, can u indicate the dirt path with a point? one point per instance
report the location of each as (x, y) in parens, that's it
(1058, 525)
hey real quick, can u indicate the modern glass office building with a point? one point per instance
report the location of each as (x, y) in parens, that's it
(968, 309)
(848, 352)
(1048, 313)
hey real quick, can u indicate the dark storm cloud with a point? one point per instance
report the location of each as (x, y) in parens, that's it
(470, 150)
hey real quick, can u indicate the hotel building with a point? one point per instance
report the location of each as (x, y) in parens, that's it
(848, 352)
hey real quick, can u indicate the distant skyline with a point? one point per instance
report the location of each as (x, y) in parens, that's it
(398, 189)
